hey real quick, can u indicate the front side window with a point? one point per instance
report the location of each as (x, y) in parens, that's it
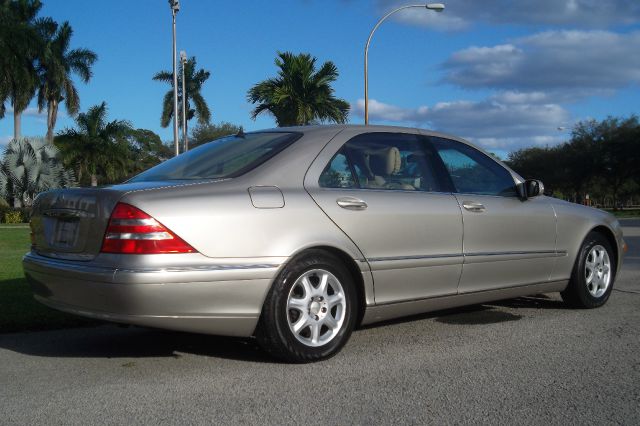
(471, 171)
(384, 161)
(223, 158)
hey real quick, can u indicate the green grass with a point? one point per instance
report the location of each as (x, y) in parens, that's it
(18, 309)
(625, 213)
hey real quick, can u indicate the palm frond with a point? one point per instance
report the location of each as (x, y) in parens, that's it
(202, 109)
(165, 76)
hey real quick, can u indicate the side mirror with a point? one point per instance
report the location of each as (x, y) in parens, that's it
(530, 188)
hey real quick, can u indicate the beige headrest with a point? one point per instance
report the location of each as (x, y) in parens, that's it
(386, 161)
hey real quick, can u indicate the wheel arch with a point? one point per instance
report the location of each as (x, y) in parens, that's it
(352, 266)
(611, 238)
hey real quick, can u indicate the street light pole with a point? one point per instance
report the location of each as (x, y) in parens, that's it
(175, 7)
(183, 62)
(438, 7)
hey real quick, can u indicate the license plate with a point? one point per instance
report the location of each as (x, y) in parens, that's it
(66, 233)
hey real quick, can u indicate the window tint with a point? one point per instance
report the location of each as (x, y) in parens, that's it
(223, 158)
(389, 161)
(471, 171)
(337, 174)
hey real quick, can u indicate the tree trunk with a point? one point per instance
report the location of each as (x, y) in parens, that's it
(52, 115)
(94, 180)
(16, 124)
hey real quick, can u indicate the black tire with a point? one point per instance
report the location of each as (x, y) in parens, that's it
(577, 294)
(274, 333)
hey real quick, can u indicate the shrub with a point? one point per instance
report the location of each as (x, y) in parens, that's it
(28, 167)
(14, 216)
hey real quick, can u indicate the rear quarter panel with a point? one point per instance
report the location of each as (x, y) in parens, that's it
(220, 221)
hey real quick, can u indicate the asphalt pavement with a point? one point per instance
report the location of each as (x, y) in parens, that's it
(522, 361)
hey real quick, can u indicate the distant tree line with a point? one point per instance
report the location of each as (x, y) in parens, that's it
(601, 160)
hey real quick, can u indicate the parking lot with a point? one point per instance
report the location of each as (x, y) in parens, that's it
(527, 360)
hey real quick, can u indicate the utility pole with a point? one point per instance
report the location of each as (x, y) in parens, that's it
(183, 62)
(175, 7)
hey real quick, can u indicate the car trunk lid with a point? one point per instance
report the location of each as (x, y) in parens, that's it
(70, 223)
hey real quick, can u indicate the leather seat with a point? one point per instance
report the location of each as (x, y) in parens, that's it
(382, 164)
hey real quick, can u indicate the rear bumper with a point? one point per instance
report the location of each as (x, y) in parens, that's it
(223, 299)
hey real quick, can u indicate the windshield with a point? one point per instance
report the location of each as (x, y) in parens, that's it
(223, 158)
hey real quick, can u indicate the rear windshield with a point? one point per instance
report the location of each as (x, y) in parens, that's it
(223, 158)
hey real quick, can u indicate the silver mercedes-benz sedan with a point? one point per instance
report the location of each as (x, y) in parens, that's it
(297, 235)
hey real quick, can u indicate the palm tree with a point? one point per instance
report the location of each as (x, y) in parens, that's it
(299, 95)
(28, 167)
(20, 45)
(193, 82)
(96, 147)
(56, 66)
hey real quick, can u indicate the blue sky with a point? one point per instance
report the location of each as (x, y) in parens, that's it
(504, 74)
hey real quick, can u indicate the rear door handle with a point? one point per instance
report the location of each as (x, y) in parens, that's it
(473, 207)
(351, 203)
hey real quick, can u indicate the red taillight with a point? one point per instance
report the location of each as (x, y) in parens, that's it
(132, 231)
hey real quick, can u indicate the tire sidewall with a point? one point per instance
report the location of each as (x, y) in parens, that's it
(579, 279)
(279, 299)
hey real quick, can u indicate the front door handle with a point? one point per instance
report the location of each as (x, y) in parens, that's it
(351, 203)
(473, 207)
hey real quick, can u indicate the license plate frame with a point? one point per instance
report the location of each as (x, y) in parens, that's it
(66, 232)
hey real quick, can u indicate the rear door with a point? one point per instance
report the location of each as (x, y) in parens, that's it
(507, 242)
(383, 191)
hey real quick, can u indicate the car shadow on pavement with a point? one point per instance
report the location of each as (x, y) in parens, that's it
(487, 313)
(111, 341)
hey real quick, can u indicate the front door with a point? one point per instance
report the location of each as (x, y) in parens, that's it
(383, 191)
(507, 242)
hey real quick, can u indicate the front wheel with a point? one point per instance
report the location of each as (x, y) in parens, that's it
(593, 274)
(309, 312)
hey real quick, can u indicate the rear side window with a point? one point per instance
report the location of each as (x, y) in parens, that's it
(383, 161)
(338, 173)
(223, 158)
(471, 171)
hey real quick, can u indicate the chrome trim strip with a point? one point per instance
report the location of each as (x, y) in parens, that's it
(102, 269)
(416, 257)
(67, 213)
(507, 253)
(200, 268)
(553, 253)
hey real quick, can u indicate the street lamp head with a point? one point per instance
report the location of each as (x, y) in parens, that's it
(438, 7)
(183, 56)
(174, 5)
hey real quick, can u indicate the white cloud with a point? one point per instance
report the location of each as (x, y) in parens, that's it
(438, 21)
(572, 64)
(506, 121)
(461, 14)
(29, 112)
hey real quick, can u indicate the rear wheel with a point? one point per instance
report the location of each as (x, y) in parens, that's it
(593, 274)
(309, 312)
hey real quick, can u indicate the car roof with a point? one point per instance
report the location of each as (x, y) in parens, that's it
(318, 128)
